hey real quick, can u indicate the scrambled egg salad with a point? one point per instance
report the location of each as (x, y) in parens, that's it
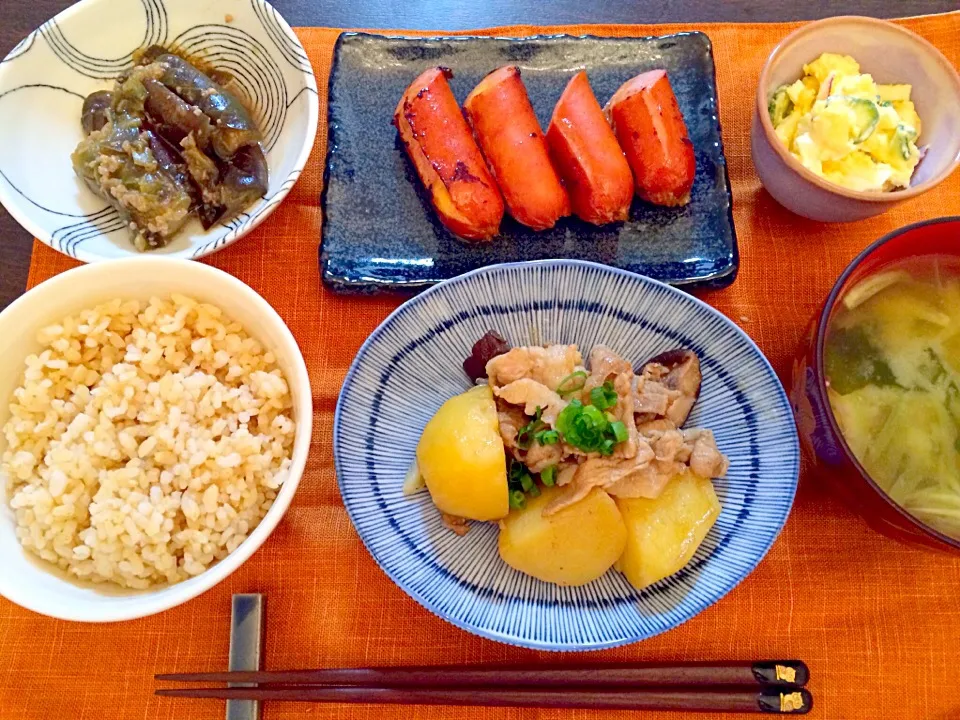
(846, 128)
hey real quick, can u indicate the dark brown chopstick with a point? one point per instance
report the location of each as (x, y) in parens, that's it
(792, 672)
(788, 700)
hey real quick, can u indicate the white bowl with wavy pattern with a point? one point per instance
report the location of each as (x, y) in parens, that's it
(411, 364)
(44, 79)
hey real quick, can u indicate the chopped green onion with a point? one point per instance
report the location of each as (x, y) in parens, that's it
(526, 482)
(619, 431)
(547, 437)
(534, 491)
(517, 499)
(598, 399)
(604, 397)
(582, 426)
(515, 479)
(589, 427)
(527, 433)
(572, 383)
(595, 416)
(549, 475)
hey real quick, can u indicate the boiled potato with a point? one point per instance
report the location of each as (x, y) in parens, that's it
(663, 534)
(571, 547)
(462, 460)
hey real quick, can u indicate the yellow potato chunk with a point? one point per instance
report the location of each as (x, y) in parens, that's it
(572, 547)
(663, 534)
(461, 457)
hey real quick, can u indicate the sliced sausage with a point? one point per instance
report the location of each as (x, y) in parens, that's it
(511, 139)
(448, 161)
(587, 156)
(649, 126)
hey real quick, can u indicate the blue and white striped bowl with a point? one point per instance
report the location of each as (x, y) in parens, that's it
(412, 363)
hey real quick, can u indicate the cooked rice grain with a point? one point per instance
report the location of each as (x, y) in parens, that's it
(146, 441)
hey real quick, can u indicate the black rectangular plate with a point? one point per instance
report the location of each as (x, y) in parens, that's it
(380, 231)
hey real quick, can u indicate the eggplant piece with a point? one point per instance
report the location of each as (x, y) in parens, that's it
(244, 180)
(173, 117)
(96, 111)
(119, 164)
(209, 214)
(145, 57)
(233, 128)
(168, 159)
(202, 170)
(171, 161)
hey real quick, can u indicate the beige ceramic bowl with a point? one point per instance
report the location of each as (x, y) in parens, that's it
(892, 55)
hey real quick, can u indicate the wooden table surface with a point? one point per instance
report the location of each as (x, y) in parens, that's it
(22, 16)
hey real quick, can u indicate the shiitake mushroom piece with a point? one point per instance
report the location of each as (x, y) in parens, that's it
(491, 345)
(681, 372)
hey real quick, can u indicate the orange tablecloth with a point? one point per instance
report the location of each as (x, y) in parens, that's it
(878, 623)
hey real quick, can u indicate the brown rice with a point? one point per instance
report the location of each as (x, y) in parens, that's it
(145, 442)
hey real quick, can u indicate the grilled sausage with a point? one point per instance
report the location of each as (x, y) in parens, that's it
(448, 161)
(649, 126)
(509, 134)
(587, 156)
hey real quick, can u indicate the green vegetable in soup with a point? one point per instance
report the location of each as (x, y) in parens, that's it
(853, 361)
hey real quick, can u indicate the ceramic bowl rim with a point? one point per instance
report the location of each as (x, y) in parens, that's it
(147, 602)
(207, 245)
(921, 44)
(820, 372)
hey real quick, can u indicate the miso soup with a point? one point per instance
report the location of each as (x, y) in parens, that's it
(892, 360)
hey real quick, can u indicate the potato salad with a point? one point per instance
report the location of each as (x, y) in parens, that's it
(846, 128)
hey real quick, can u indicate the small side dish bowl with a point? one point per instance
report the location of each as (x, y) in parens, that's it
(891, 54)
(40, 587)
(819, 430)
(412, 363)
(45, 78)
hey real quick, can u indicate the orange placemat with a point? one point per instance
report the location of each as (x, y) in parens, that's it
(878, 623)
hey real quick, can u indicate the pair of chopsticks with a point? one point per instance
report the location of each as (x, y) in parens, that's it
(768, 687)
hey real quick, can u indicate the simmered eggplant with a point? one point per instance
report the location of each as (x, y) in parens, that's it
(174, 117)
(96, 111)
(233, 126)
(118, 163)
(169, 141)
(244, 179)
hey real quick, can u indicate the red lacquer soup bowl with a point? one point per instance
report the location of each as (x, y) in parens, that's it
(819, 431)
